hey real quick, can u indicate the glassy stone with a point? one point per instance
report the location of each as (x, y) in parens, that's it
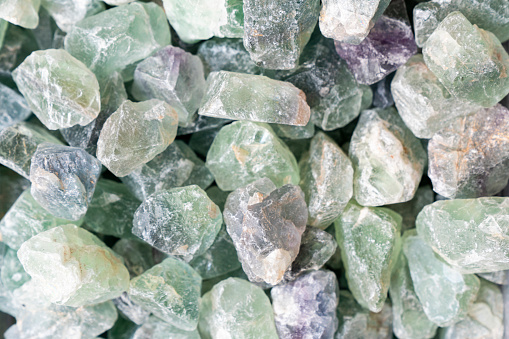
(66, 13)
(156, 328)
(140, 29)
(445, 294)
(181, 221)
(171, 291)
(174, 76)
(470, 62)
(72, 267)
(388, 159)
(223, 312)
(135, 134)
(59, 89)
(275, 31)
(12, 274)
(64, 179)
(13, 107)
(369, 239)
(20, 12)
(497, 277)
(469, 234)
(13, 186)
(410, 209)
(130, 310)
(227, 55)
(244, 151)
(138, 256)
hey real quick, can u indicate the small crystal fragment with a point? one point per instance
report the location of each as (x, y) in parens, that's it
(171, 291)
(137, 255)
(13, 107)
(59, 89)
(72, 267)
(266, 224)
(135, 134)
(67, 13)
(130, 310)
(227, 55)
(20, 12)
(156, 328)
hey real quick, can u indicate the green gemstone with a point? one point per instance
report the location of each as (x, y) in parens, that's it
(410, 209)
(12, 274)
(137, 255)
(20, 12)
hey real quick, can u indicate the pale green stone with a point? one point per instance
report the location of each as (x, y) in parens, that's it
(25, 219)
(369, 238)
(224, 315)
(257, 98)
(67, 13)
(13, 107)
(72, 267)
(445, 294)
(423, 103)
(137, 255)
(12, 274)
(59, 89)
(388, 159)
(367, 97)
(3, 29)
(195, 20)
(181, 221)
(409, 319)
(171, 291)
(131, 310)
(20, 12)
(326, 179)
(470, 234)
(244, 151)
(294, 132)
(156, 328)
(140, 29)
(410, 209)
(135, 134)
(470, 62)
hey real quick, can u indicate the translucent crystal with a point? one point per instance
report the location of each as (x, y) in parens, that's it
(59, 89)
(68, 12)
(137, 255)
(388, 159)
(349, 20)
(223, 313)
(326, 179)
(13, 107)
(73, 267)
(470, 62)
(181, 221)
(64, 179)
(156, 328)
(306, 307)
(20, 12)
(276, 31)
(171, 291)
(130, 310)
(13, 186)
(227, 55)
(245, 151)
(445, 294)
(140, 29)
(410, 209)
(12, 274)
(135, 134)
(468, 233)
(369, 238)
(266, 224)
(174, 76)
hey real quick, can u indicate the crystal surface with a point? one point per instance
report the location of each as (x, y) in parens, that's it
(59, 89)
(227, 55)
(130, 310)
(135, 134)
(138, 256)
(156, 328)
(13, 107)
(266, 225)
(497, 277)
(20, 12)
(66, 13)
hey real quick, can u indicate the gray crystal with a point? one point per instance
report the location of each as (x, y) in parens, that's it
(131, 310)
(13, 107)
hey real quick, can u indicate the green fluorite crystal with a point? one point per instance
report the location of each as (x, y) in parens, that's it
(255, 98)
(445, 294)
(140, 29)
(470, 62)
(131, 310)
(202, 19)
(171, 291)
(245, 151)
(369, 238)
(387, 158)
(155, 328)
(135, 134)
(58, 88)
(224, 312)
(470, 234)
(423, 103)
(73, 267)
(67, 13)
(12, 274)
(137, 255)
(410, 209)
(326, 179)
(182, 221)
(20, 12)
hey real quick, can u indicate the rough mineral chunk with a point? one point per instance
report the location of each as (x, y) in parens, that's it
(171, 291)
(470, 62)
(350, 20)
(140, 29)
(67, 13)
(20, 12)
(470, 234)
(182, 221)
(135, 134)
(73, 267)
(130, 310)
(369, 238)
(445, 294)
(202, 19)
(137, 255)
(174, 76)
(13, 107)
(388, 159)
(224, 313)
(410, 209)
(327, 181)
(227, 55)
(276, 31)
(59, 89)
(266, 224)
(156, 328)
(64, 179)
(245, 151)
